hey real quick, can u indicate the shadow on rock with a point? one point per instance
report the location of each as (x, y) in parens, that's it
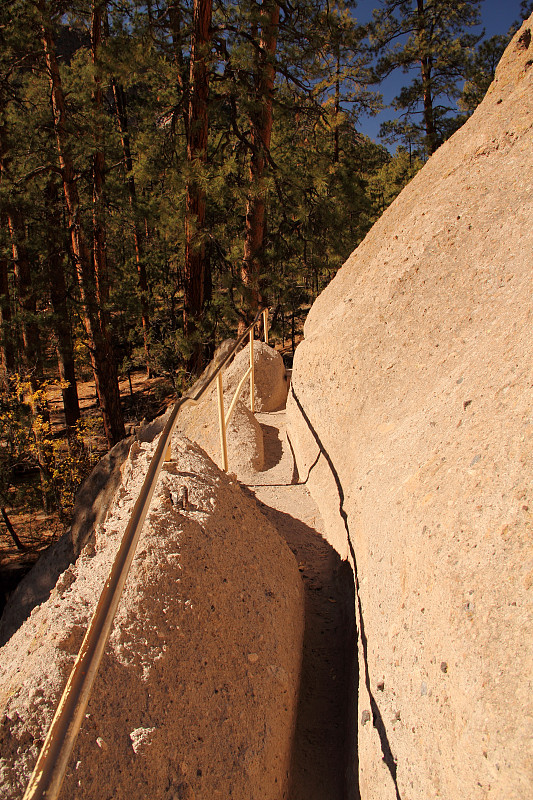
(324, 765)
(272, 446)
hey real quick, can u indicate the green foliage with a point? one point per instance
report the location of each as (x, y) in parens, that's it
(324, 183)
(388, 182)
(28, 444)
(480, 72)
(431, 43)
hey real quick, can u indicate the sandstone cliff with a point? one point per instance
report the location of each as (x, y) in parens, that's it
(411, 413)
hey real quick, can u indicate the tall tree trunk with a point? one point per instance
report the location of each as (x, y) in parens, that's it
(138, 233)
(7, 342)
(425, 68)
(197, 130)
(31, 340)
(337, 106)
(261, 130)
(7, 356)
(99, 228)
(58, 296)
(103, 363)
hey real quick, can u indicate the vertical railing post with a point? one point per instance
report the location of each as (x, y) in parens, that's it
(252, 380)
(222, 422)
(265, 324)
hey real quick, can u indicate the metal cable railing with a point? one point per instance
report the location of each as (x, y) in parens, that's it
(51, 765)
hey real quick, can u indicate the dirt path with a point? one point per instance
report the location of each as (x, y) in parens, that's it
(319, 758)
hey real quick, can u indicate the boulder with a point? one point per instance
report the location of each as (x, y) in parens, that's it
(244, 435)
(270, 377)
(410, 413)
(197, 691)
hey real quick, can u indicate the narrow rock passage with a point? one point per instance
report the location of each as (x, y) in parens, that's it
(320, 748)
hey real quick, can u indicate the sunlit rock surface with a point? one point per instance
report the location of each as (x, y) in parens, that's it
(412, 415)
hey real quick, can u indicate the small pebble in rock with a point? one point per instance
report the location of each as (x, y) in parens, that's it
(101, 744)
(381, 686)
(443, 667)
(469, 608)
(365, 717)
(253, 657)
(423, 688)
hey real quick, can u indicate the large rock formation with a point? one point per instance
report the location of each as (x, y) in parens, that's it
(412, 411)
(197, 691)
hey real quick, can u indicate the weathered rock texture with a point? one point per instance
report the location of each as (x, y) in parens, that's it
(244, 435)
(197, 690)
(270, 377)
(413, 391)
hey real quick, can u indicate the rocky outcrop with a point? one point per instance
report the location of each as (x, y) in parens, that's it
(197, 691)
(411, 415)
(244, 435)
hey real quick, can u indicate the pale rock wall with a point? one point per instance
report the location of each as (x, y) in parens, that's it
(196, 696)
(412, 416)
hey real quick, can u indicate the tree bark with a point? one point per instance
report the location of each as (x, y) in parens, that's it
(197, 130)
(261, 130)
(7, 356)
(99, 228)
(337, 106)
(12, 530)
(425, 68)
(103, 364)
(58, 296)
(27, 301)
(138, 240)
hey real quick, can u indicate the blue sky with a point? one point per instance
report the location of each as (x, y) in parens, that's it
(497, 15)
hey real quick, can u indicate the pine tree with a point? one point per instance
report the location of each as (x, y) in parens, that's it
(90, 268)
(261, 121)
(480, 72)
(197, 136)
(429, 39)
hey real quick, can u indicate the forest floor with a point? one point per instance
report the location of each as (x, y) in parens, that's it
(36, 529)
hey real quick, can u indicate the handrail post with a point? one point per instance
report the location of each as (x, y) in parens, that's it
(252, 379)
(222, 422)
(265, 324)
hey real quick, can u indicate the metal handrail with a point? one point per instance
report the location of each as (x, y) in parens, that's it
(51, 765)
